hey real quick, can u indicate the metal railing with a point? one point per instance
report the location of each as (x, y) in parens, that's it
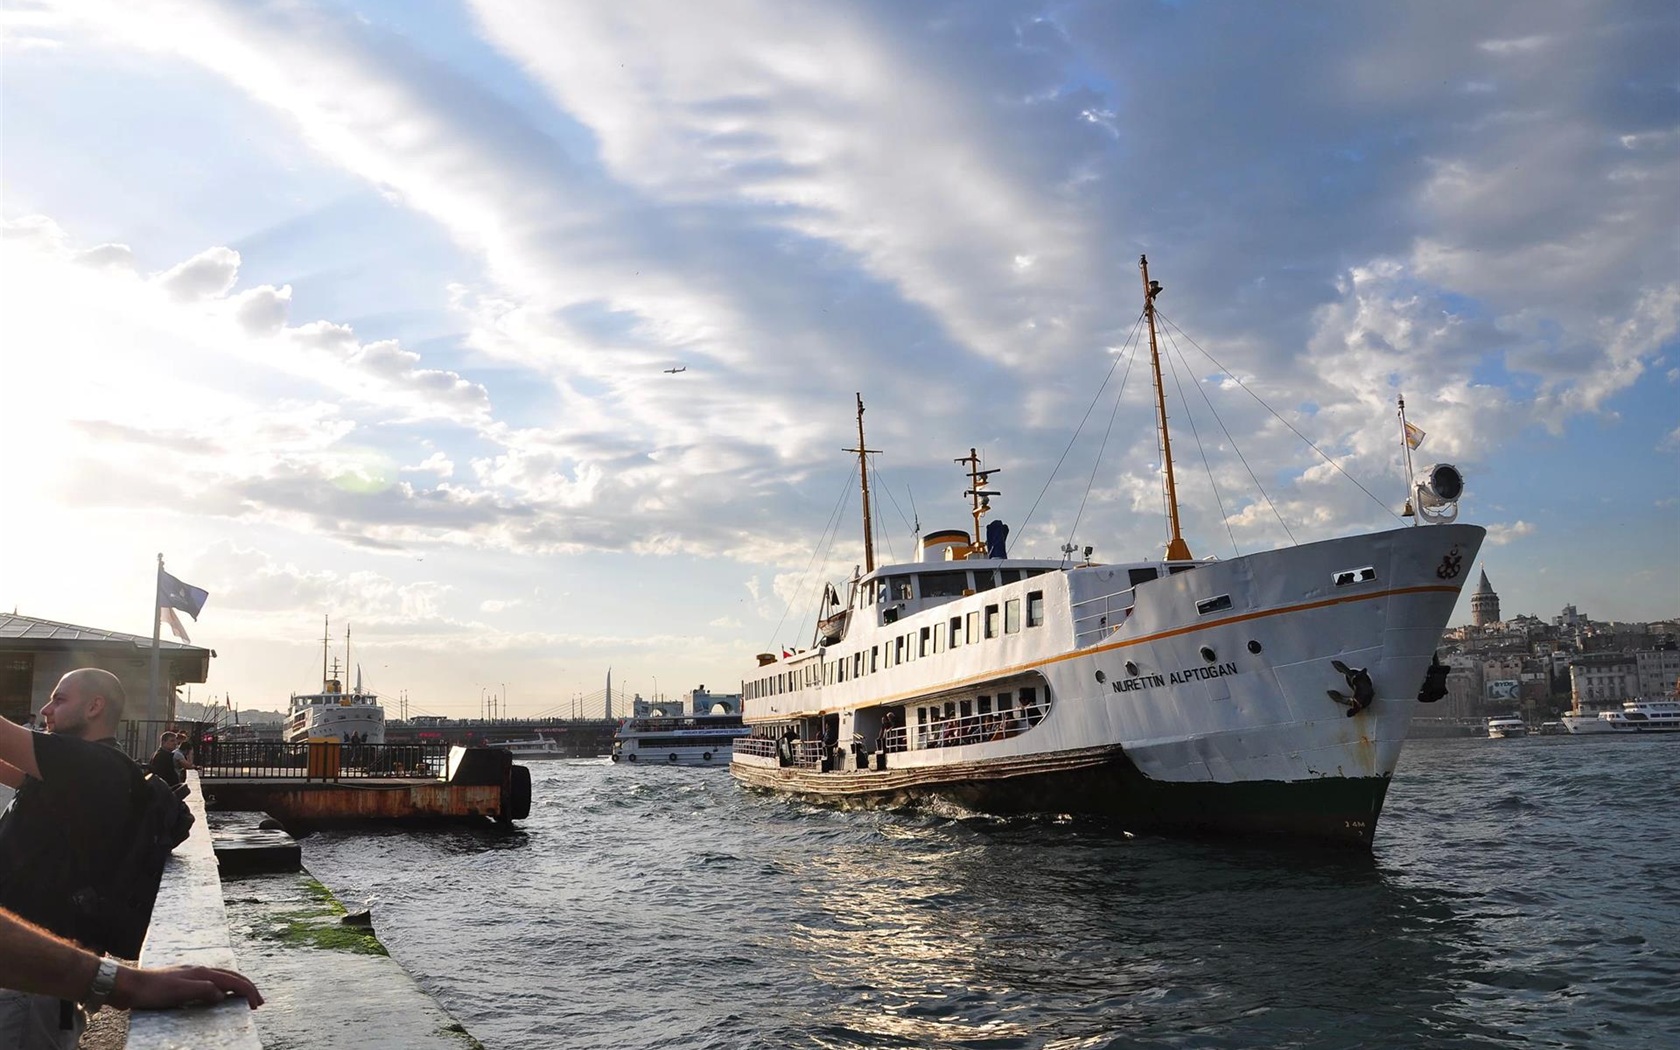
(974, 729)
(330, 760)
(1096, 618)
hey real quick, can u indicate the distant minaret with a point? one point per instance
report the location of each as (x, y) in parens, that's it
(609, 680)
(1484, 604)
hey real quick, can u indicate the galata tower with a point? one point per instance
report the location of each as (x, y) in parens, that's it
(1484, 604)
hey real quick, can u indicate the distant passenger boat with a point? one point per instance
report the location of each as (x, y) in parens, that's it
(534, 747)
(1636, 716)
(701, 735)
(332, 713)
(1504, 727)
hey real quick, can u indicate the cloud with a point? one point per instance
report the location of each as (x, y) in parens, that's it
(208, 275)
(1500, 534)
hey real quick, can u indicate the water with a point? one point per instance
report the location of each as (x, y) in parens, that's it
(1521, 894)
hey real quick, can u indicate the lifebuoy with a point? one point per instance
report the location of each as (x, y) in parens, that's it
(707, 756)
(672, 757)
(631, 757)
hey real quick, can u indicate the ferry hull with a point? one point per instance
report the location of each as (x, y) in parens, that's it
(1105, 784)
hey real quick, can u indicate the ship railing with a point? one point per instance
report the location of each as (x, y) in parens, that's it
(977, 729)
(1094, 619)
(322, 760)
(804, 754)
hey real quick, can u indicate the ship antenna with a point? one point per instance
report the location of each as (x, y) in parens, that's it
(979, 497)
(326, 634)
(863, 452)
(1177, 549)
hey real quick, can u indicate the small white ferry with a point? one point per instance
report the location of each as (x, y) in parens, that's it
(1269, 694)
(1635, 717)
(348, 717)
(1505, 727)
(538, 746)
(666, 734)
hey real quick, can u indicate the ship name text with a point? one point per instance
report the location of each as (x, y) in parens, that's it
(1188, 674)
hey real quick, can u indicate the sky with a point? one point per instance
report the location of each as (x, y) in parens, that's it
(363, 310)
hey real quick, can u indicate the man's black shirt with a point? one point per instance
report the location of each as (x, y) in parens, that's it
(65, 831)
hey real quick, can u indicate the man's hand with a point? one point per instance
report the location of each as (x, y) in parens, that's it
(170, 986)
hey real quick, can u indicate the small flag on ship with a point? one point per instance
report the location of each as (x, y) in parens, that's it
(1414, 436)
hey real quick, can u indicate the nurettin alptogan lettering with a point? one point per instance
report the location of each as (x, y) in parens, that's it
(1188, 674)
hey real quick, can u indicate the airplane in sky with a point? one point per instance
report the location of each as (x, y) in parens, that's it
(674, 371)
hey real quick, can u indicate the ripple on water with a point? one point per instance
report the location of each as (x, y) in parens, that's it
(1513, 899)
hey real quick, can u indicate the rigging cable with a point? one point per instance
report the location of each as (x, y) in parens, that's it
(1291, 426)
(1196, 435)
(1130, 339)
(821, 548)
(1233, 441)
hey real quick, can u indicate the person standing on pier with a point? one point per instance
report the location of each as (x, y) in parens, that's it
(66, 829)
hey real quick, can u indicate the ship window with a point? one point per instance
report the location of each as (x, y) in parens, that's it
(991, 621)
(902, 588)
(973, 628)
(923, 640)
(1213, 605)
(985, 704)
(1035, 608)
(1347, 576)
(857, 664)
(1176, 569)
(874, 658)
(1009, 575)
(966, 709)
(956, 631)
(1138, 576)
(1012, 616)
(938, 639)
(984, 580)
(898, 649)
(944, 584)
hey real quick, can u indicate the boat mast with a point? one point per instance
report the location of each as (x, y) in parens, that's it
(863, 451)
(326, 634)
(1406, 448)
(1177, 549)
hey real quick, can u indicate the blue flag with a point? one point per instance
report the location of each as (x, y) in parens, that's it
(173, 594)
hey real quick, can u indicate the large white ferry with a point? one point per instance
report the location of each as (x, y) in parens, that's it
(666, 734)
(348, 717)
(1268, 695)
(1636, 716)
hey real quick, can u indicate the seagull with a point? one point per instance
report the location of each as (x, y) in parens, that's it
(674, 371)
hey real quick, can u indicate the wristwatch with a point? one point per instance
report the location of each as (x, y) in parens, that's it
(104, 983)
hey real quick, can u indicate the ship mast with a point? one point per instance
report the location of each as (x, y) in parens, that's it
(979, 496)
(1177, 549)
(326, 634)
(863, 451)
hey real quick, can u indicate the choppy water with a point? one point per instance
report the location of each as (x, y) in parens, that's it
(1521, 894)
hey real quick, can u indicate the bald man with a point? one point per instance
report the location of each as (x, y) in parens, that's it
(68, 826)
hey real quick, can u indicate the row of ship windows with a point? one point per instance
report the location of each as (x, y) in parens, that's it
(996, 620)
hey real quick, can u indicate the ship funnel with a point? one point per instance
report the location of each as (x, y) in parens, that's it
(935, 545)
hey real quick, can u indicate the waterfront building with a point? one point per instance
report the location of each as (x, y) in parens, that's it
(1658, 671)
(36, 653)
(1602, 680)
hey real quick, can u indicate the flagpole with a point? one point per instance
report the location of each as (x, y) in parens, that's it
(157, 628)
(1406, 448)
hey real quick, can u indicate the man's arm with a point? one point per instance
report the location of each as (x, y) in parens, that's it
(17, 749)
(33, 960)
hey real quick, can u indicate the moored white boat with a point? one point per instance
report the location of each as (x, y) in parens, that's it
(1504, 727)
(1635, 717)
(332, 713)
(1265, 695)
